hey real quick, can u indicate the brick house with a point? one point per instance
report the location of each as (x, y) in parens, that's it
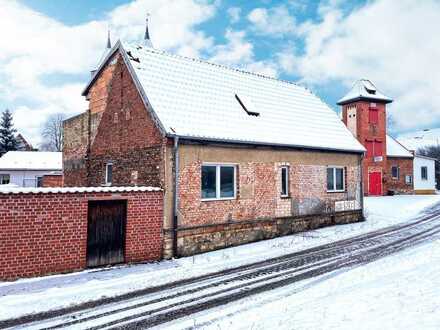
(240, 156)
(388, 165)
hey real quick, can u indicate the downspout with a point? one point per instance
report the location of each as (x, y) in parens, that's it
(361, 158)
(175, 194)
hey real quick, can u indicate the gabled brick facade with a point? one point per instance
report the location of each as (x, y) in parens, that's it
(116, 129)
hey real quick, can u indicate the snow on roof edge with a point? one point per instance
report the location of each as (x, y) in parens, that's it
(66, 190)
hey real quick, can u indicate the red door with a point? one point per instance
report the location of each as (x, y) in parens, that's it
(375, 184)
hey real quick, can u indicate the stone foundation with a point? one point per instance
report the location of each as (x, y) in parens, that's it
(199, 239)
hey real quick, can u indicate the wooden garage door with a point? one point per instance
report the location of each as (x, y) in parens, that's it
(106, 232)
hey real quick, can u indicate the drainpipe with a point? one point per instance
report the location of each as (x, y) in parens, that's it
(175, 194)
(361, 158)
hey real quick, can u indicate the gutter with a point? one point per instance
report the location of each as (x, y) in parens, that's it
(266, 144)
(175, 195)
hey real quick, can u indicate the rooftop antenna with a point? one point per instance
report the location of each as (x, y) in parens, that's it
(147, 40)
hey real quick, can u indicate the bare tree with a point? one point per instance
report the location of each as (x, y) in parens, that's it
(53, 133)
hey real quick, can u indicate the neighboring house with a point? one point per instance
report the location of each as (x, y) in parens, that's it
(399, 167)
(241, 156)
(23, 144)
(424, 175)
(27, 168)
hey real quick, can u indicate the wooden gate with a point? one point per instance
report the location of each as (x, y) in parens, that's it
(374, 183)
(106, 232)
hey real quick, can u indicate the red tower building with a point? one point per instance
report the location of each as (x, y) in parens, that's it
(364, 113)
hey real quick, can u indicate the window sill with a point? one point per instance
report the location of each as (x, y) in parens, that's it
(285, 197)
(218, 199)
(336, 191)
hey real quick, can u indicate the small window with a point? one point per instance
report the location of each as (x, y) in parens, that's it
(218, 182)
(335, 179)
(373, 116)
(5, 178)
(408, 179)
(424, 170)
(39, 181)
(284, 181)
(370, 148)
(108, 174)
(377, 148)
(395, 172)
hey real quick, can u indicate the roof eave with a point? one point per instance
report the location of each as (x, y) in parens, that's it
(361, 98)
(267, 144)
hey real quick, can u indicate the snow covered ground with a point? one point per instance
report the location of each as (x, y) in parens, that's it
(45, 293)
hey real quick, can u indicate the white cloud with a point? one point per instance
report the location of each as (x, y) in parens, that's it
(275, 21)
(35, 46)
(239, 52)
(390, 42)
(234, 14)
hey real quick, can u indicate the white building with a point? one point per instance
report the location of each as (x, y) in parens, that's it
(424, 174)
(27, 168)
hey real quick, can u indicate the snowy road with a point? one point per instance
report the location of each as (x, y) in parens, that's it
(158, 305)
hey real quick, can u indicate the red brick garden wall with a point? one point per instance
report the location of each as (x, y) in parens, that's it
(44, 233)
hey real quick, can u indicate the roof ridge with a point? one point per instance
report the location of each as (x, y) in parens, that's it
(202, 61)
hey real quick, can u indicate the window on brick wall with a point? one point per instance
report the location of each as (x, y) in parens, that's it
(408, 179)
(373, 116)
(108, 174)
(284, 181)
(369, 145)
(5, 178)
(424, 172)
(335, 179)
(39, 181)
(218, 181)
(395, 172)
(378, 150)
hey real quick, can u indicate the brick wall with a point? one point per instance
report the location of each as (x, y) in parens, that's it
(53, 180)
(44, 233)
(399, 185)
(258, 183)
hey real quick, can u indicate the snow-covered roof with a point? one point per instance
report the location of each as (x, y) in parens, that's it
(395, 149)
(195, 99)
(31, 160)
(7, 189)
(420, 139)
(364, 89)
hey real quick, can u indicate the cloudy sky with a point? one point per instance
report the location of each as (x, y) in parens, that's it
(49, 47)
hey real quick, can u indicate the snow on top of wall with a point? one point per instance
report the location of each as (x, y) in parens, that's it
(395, 149)
(31, 160)
(196, 99)
(364, 89)
(7, 189)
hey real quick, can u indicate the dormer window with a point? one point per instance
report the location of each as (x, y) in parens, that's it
(247, 105)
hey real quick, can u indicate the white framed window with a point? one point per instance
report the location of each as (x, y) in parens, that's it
(395, 172)
(5, 178)
(335, 179)
(408, 179)
(108, 174)
(424, 172)
(284, 181)
(218, 181)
